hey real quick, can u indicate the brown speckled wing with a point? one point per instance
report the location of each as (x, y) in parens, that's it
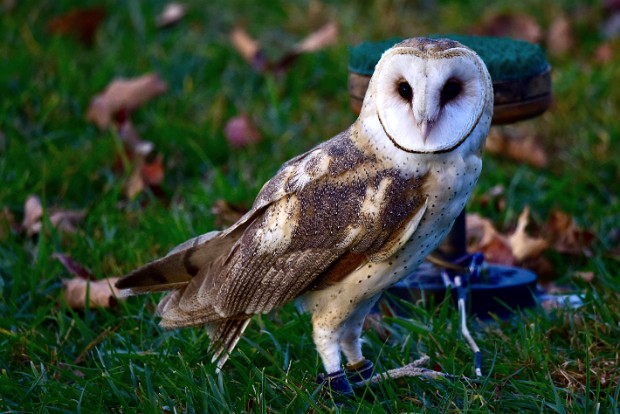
(314, 234)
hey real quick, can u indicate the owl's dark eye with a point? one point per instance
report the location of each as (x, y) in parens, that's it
(450, 90)
(404, 89)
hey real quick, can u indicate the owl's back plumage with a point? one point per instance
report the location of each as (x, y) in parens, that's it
(339, 224)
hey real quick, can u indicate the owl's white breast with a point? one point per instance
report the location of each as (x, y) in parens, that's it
(450, 180)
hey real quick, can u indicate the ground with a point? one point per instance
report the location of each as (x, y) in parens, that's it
(117, 359)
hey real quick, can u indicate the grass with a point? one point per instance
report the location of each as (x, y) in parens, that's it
(55, 359)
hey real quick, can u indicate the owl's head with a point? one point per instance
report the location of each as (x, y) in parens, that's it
(430, 94)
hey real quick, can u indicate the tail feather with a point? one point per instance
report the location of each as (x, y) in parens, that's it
(177, 268)
(224, 337)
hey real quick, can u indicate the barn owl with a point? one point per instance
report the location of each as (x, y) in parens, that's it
(339, 224)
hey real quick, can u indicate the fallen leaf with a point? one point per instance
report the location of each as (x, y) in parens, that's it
(241, 132)
(252, 52)
(152, 171)
(515, 248)
(226, 214)
(515, 25)
(566, 236)
(321, 38)
(495, 196)
(99, 293)
(516, 145)
(64, 220)
(73, 267)
(80, 23)
(523, 246)
(172, 14)
(248, 48)
(604, 53)
(484, 238)
(124, 95)
(33, 213)
(560, 37)
(147, 167)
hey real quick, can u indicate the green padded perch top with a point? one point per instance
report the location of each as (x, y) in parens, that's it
(519, 70)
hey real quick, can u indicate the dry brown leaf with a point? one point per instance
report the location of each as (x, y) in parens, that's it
(99, 293)
(80, 23)
(604, 53)
(124, 95)
(33, 213)
(515, 25)
(523, 246)
(495, 196)
(517, 247)
(172, 14)
(483, 237)
(65, 220)
(248, 48)
(560, 37)
(566, 236)
(522, 148)
(241, 132)
(321, 38)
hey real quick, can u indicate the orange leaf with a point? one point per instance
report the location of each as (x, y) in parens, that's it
(566, 236)
(80, 23)
(124, 95)
(99, 293)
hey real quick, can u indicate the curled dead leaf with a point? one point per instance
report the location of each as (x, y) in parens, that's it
(171, 15)
(33, 213)
(321, 38)
(241, 132)
(495, 197)
(252, 52)
(560, 37)
(515, 248)
(81, 23)
(515, 25)
(99, 293)
(64, 220)
(517, 145)
(565, 236)
(124, 95)
(248, 48)
(523, 246)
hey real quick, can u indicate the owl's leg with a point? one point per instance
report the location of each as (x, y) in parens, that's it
(358, 368)
(327, 328)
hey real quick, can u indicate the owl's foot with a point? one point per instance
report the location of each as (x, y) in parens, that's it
(336, 382)
(360, 372)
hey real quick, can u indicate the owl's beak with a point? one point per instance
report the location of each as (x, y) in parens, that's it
(425, 127)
